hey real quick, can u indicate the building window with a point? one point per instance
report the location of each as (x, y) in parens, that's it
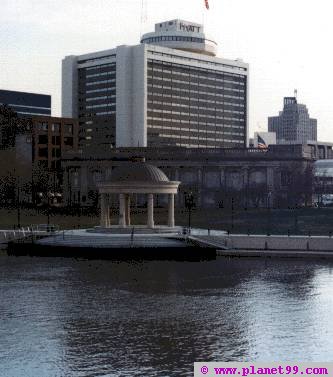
(285, 178)
(42, 126)
(42, 139)
(56, 140)
(68, 141)
(69, 128)
(55, 127)
(43, 164)
(43, 152)
(56, 152)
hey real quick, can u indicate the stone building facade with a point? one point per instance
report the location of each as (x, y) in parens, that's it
(216, 177)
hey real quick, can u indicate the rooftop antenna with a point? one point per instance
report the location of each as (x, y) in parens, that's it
(143, 16)
(295, 93)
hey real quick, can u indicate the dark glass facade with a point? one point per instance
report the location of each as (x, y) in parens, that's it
(195, 107)
(97, 105)
(26, 104)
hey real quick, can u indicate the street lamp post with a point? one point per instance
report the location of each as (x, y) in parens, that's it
(50, 195)
(232, 214)
(52, 198)
(189, 204)
(269, 194)
(18, 203)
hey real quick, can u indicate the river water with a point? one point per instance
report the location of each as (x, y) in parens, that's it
(67, 317)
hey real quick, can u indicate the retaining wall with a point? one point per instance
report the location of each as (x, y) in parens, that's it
(257, 242)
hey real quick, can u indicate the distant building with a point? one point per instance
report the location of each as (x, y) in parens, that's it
(293, 123)
(320, 150)
(170, 90)
(26, 104)
(323, 188)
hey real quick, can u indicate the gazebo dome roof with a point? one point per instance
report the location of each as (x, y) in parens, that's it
(138, 172)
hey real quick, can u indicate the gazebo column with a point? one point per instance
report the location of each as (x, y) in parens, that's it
(128, 209)
(171, 211)
(108, 222)
(105, 216)
(150, 222)
(122, 216)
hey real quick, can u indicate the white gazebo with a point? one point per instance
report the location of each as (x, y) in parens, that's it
(136, 178)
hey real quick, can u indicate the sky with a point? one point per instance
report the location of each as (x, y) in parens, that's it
(287, 44)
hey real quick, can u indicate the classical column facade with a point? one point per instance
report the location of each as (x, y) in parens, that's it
(122, 216)
(222, 178)
(171, 211)
(150, 205)
(108, 221)
(105, 211)
(200, 186)
(128, 209)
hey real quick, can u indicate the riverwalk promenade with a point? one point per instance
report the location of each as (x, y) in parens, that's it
(179, 240)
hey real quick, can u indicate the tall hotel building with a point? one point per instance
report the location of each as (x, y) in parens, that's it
(170, 90)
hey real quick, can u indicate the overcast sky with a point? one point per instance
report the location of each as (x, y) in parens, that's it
(286, 42)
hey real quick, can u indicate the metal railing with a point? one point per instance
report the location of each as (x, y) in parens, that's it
(8, 235)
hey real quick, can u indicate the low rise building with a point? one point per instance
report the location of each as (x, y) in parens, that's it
(33, 159)
(216, 177)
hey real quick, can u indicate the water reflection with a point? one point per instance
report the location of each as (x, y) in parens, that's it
(62, 317)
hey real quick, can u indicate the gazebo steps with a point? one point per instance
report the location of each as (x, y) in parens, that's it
(137, 229)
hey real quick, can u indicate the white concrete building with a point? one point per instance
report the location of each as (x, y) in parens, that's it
(170, 90)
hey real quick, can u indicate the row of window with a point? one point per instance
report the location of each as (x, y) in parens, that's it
(197, 131)
(189, 98)
(100, 74)
(100, 82)
(99, 90)
(101, 105)
(200, 139)
(55, 127)
(96, 59)
(220, 109)
(190, 91)
(197, 74)
(168, 120)
(194, 112)
(100, 66)
(105, 113)
(198, 145)
(201, 61)
(191, 82)
(89, 99)
(206, 116)
(195, 105)
(172, 38)
(56, 141)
